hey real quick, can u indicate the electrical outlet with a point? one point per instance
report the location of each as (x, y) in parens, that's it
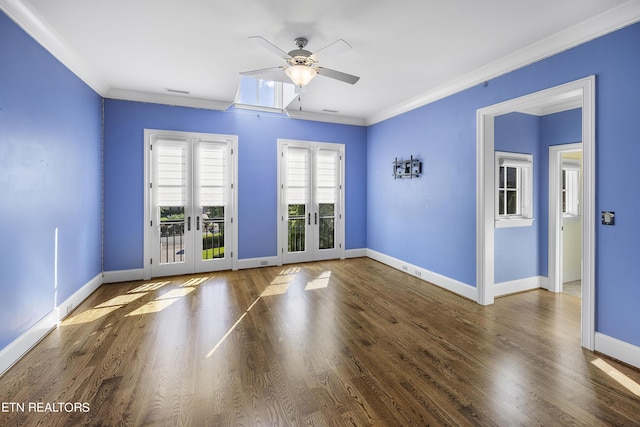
(405, 268)
(263, 263)
(417, 273)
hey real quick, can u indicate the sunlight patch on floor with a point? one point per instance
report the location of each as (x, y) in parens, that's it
(162, 302)
(280, 284)
(275, 290)
(147, 287)
(176, 293)
(621, 378)
(196, 281)
(121, 300)
(89, 315)
(280, 280)
(231, 329)
(322, 281)
(152, 307)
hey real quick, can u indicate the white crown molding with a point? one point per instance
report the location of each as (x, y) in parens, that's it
(329, 118)
(166, 99)
(37, 27)
(614, 19)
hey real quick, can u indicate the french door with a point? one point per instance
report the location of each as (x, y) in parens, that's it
(311, 225)
(191, 202)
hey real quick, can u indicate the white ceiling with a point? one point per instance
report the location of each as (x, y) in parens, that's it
(407, 52)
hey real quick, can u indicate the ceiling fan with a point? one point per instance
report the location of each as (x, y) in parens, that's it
(302, 65)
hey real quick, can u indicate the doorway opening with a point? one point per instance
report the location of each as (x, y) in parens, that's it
(584, 91)
(565, 219)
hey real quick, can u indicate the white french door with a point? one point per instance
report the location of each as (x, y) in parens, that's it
(311, 225)
(191, 202)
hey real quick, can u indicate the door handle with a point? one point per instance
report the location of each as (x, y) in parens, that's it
(316, 217)
(309, 218)
(188, 223)
(198, 223)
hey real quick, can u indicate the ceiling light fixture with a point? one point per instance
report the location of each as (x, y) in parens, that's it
(300, 75)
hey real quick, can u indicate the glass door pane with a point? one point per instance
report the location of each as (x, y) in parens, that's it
(297, 228)
(298, 195)
(172, 227)
(326, 225)
(213, 232)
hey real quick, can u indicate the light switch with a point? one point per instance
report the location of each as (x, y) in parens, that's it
(608, 218)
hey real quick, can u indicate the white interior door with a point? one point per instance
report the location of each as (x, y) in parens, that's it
(311, 200)
(191, 202)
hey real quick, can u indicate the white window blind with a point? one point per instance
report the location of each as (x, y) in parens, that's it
(515, 163)
(172, 173)
(327, 176)
(213, 188)
(297, 175)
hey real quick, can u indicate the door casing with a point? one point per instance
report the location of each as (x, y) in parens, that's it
(485, 244)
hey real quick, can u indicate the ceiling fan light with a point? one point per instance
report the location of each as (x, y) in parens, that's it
(300, 75)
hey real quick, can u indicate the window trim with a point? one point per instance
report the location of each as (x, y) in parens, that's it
(524, 164)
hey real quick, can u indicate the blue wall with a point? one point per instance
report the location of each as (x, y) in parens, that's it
(428, 221)
(257, 168)
(50, 179)
(431, 222)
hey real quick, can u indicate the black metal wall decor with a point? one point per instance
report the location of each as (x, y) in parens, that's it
(411, 168)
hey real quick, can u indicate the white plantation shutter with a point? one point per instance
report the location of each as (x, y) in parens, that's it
(213, 188)
(172, 173)
(297, 175)
(327, 176)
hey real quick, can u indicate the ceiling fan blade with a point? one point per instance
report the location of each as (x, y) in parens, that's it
(334, 48)
(270, 46)
(275, 74)
(338, 75)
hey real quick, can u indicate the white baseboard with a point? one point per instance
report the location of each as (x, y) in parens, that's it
(621, 350)
(256, 262)
(123, 275)
(21, 345)
(437, 279)
(520, 285)
(571, 276)
(355, 253)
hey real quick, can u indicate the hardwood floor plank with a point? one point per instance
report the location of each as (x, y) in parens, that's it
(331, 343)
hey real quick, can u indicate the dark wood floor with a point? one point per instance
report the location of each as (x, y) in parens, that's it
(330, 343)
